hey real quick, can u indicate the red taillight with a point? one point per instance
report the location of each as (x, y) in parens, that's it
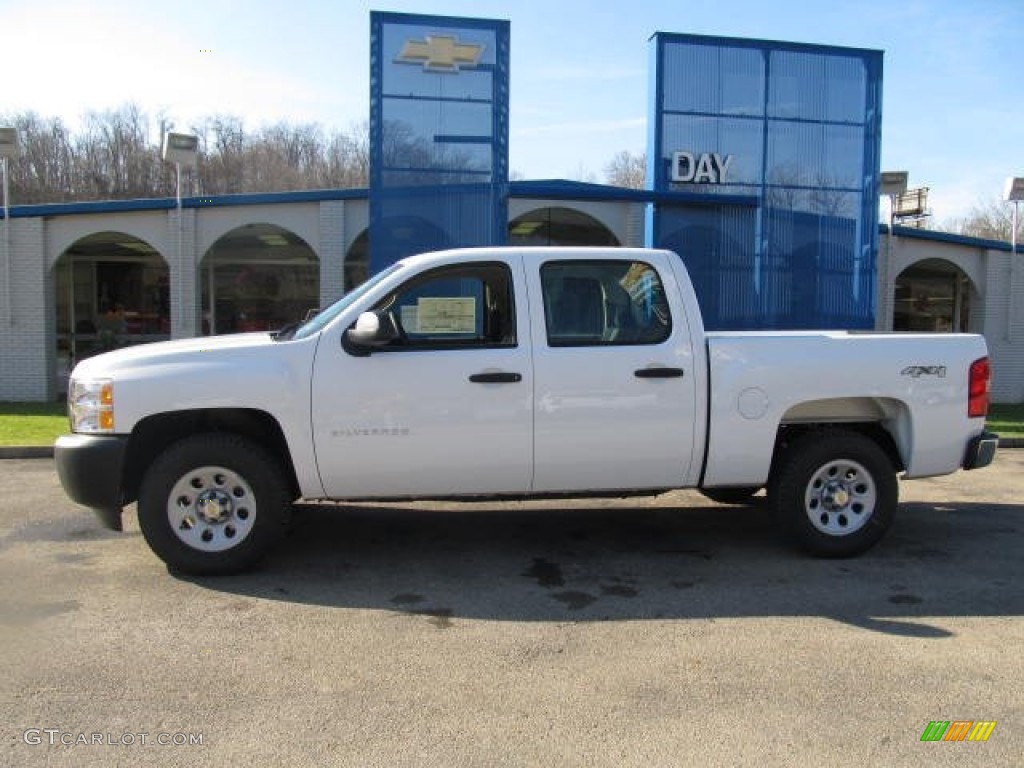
(977, 388)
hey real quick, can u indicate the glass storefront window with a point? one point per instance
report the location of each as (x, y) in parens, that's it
(258, 297)
(112, 290)
(932, 297)
(558, 226)
(258, 277)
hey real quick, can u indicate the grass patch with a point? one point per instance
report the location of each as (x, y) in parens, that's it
(1007, 420)
(32, 423)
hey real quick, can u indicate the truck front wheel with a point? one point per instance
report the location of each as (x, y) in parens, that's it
(837, 492)
(213, 504)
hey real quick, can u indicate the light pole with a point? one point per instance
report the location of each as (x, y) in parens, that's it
(8, 151)
(1013, 193)
(892, 185)
(180, 149)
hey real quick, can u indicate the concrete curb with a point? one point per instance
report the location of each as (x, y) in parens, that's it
(26, 451)
(46, 451)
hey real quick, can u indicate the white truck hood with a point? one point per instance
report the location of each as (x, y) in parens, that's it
(248, 370)
(183, 351)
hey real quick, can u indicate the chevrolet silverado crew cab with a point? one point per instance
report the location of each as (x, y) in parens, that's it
(516, 372)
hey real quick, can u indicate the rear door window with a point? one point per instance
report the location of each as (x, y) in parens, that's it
(595, 303)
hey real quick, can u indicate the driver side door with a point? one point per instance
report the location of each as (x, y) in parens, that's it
(446, 408)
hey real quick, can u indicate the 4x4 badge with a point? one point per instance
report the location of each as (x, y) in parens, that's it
(917, 371)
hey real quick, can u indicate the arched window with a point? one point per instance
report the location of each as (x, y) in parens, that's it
(559, 226)
(933, 295)
(258, 277)
(112, 290)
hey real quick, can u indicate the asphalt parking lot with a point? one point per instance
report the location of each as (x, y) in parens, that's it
(658, 632)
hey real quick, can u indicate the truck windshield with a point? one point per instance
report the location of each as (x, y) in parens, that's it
(322, 319)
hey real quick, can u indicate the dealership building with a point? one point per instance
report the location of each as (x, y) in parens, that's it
(763, 176)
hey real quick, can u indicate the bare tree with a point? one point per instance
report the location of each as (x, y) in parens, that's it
(991, 219)
(114, 157)
(119, 158)
(43, 172)
(223, 148)
(627, 170)
(584, 174)
(348, 157)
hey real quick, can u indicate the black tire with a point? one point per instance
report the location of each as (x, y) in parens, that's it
(738, 495)
(836, 491)
(213, 504)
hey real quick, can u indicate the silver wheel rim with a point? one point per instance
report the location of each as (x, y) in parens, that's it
(211, 509)
(840, 497)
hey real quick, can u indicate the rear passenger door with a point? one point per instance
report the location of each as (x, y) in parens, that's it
(613, 373)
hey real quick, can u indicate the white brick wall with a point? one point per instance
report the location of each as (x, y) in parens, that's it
(635, 232)
(26, 354)
(332, 250)
(184, 273)
(1004, 326)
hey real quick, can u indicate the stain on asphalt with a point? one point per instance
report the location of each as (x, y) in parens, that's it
(547, 574)
(905, 599)
(929, 553)
(72, 558)
(573, 600)
(691, 552)
(13, 615)
(85, 534)
(618, 590)
(58, 530)
(407, 598)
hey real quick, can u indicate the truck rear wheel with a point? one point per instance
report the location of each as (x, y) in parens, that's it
(213, 504)
(837, 492)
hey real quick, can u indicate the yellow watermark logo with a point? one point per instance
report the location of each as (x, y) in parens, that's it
(958, 730)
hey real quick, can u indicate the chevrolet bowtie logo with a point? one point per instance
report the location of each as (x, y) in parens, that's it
(440, 53)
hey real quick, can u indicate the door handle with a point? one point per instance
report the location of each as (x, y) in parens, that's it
(496, 378)
(658, 373)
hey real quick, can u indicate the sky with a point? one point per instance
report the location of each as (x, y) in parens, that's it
(953, 108)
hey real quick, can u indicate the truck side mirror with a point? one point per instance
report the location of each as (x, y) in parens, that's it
(372, 329)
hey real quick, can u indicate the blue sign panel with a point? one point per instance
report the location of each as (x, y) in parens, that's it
(796, 130)
(439, 91)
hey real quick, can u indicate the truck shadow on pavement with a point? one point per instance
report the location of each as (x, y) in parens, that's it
(447, 563)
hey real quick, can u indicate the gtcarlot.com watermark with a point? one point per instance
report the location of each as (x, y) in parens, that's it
(57, 737)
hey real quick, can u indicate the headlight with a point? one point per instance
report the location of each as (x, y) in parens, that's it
(91, 405)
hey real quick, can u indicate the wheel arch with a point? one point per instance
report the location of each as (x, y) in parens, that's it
(155, 433)
(886, 421)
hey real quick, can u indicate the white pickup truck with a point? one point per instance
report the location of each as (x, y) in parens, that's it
(516, 372)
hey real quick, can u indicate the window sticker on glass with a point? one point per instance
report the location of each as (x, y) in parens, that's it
(410, 318)
(637, 281)
(446, 315)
